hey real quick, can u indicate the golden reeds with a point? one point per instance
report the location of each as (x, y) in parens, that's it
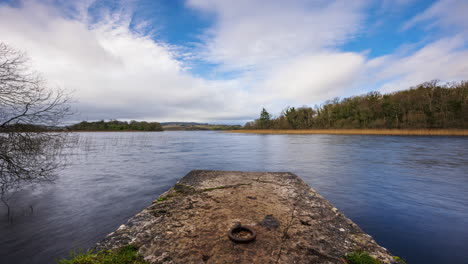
(396, 132)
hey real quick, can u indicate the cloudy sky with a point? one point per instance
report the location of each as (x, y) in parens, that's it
(222, 60)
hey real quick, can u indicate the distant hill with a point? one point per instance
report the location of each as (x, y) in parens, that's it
(179, 126)
(183, 123)
(115, 125)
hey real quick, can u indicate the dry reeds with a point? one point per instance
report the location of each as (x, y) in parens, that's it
(395, 132)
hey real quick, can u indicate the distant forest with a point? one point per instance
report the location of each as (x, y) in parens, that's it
(428, 105)
(115, 125)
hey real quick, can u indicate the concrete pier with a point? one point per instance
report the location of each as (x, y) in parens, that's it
(293, 223)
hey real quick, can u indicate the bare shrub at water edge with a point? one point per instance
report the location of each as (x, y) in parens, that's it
(28, 106)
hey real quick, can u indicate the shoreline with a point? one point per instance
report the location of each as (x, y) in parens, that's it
(79, 131)
(384, 132)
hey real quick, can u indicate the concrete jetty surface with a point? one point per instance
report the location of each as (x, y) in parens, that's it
(293, 223)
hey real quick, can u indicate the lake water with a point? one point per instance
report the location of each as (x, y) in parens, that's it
(409, 193)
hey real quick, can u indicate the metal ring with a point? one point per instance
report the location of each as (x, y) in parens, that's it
(238, 229)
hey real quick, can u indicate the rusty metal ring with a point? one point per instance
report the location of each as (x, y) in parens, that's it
(237, 229)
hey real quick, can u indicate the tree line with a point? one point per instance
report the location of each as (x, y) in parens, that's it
(115, 125)
(428, 105)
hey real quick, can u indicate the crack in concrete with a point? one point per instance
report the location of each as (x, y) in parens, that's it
(225, 187)
(285, 233)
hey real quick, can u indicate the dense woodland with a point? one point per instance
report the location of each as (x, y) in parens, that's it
(115, 125)
(429, 105)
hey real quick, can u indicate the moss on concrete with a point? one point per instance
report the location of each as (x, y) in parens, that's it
(125, 255)
(162, 199)
(399, 260)
(361, 257)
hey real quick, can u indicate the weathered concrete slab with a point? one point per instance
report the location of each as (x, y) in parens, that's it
(294, 224)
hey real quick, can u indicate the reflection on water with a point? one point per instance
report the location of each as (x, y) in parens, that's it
(409, 193)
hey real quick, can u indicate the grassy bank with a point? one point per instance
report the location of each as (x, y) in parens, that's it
(399, 132)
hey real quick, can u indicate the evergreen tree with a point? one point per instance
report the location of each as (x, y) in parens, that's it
(264, 120)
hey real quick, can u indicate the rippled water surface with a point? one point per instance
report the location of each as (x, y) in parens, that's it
(409, 193)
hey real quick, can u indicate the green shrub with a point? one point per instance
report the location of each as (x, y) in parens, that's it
(162, 199)
(126, 255)
(360, 257)
(399, 260)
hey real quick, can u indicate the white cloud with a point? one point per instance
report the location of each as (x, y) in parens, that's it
(443, 13)
(253, 33)
(444, 59)
(314, 78)
(287, 49)
(115, 72)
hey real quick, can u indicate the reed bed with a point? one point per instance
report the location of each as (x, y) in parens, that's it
(395, 132)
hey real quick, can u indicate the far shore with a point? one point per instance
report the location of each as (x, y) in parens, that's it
(390, 132)
(104, 131)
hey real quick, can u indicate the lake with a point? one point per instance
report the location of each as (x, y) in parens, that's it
(409, 193)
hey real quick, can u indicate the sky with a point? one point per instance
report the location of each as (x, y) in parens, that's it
(222, 61)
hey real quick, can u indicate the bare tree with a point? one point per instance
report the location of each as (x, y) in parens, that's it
(28, 106)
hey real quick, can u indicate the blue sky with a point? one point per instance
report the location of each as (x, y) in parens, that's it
(222, 61)
(383, 32)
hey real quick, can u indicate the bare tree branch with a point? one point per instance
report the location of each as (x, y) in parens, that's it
(28, 153)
